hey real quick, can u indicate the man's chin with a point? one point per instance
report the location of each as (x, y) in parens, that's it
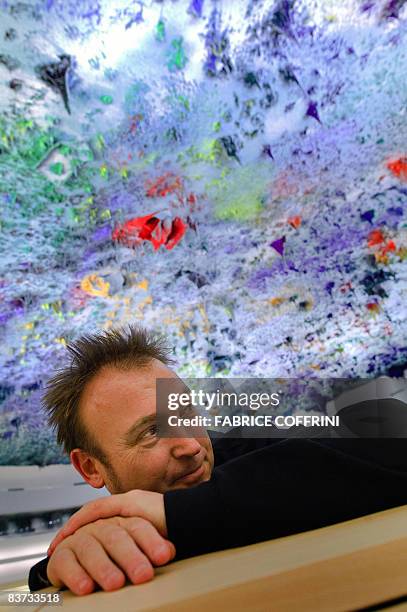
(202, 474)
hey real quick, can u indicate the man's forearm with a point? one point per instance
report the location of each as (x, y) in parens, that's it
(38, 578)
(289, 487)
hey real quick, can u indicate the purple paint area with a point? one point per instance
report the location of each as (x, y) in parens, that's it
(5, 316)
(396, 211)
(259, 278)
(312, 111)
(392, 9)
(137, 18)
(334, 240)
(195, 8)
(329, 286)
(280, 268)
(102, 233)
(278, 245)
(367, 216)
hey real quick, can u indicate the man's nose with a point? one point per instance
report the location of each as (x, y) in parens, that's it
(182, 447)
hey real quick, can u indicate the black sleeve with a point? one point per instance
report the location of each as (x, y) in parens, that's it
(38, 578)
(292, 486)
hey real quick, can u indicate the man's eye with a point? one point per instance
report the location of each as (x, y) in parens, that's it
(150, 432)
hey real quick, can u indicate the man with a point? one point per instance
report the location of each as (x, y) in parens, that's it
(179, 497)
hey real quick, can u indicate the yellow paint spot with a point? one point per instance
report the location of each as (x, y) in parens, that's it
(105, 214)
(147, 300)
(95, 285)
(276, 301)
(381, 258)
(29, 325)
(143, 284)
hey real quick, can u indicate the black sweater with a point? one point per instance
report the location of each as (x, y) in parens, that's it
(263, 489)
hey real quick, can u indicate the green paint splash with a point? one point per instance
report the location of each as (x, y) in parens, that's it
(160, 31)
(239, 194)
(57, 168)
(177, 58)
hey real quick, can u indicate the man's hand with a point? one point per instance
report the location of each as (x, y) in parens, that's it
(144, 504)
(107, 551)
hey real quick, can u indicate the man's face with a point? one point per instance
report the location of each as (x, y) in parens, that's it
(119, 409)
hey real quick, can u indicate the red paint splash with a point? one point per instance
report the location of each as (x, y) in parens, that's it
(398, 167)
(165, 184)
(170, 184)
(390, 246)
(375, 237)
(383, 246)
(159, 232)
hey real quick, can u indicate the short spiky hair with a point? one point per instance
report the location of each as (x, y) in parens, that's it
(123, 348)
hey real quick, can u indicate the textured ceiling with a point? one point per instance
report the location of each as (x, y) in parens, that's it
(233, 174)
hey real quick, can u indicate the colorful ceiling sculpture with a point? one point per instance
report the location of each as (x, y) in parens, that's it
(233, 174)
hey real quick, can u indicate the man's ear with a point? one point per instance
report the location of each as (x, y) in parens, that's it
(88, 467)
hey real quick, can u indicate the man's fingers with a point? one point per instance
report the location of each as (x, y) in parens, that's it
(149, 540)
(98, 552)
(65, 570)
(143, 504)
(125, 552)
(96, 562)
(92, 511)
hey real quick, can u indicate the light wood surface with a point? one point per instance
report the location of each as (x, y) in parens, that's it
(347, 566)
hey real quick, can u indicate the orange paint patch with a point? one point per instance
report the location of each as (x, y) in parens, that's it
(373, 307)
(276, 301)
(295, 221)
(381, 257)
